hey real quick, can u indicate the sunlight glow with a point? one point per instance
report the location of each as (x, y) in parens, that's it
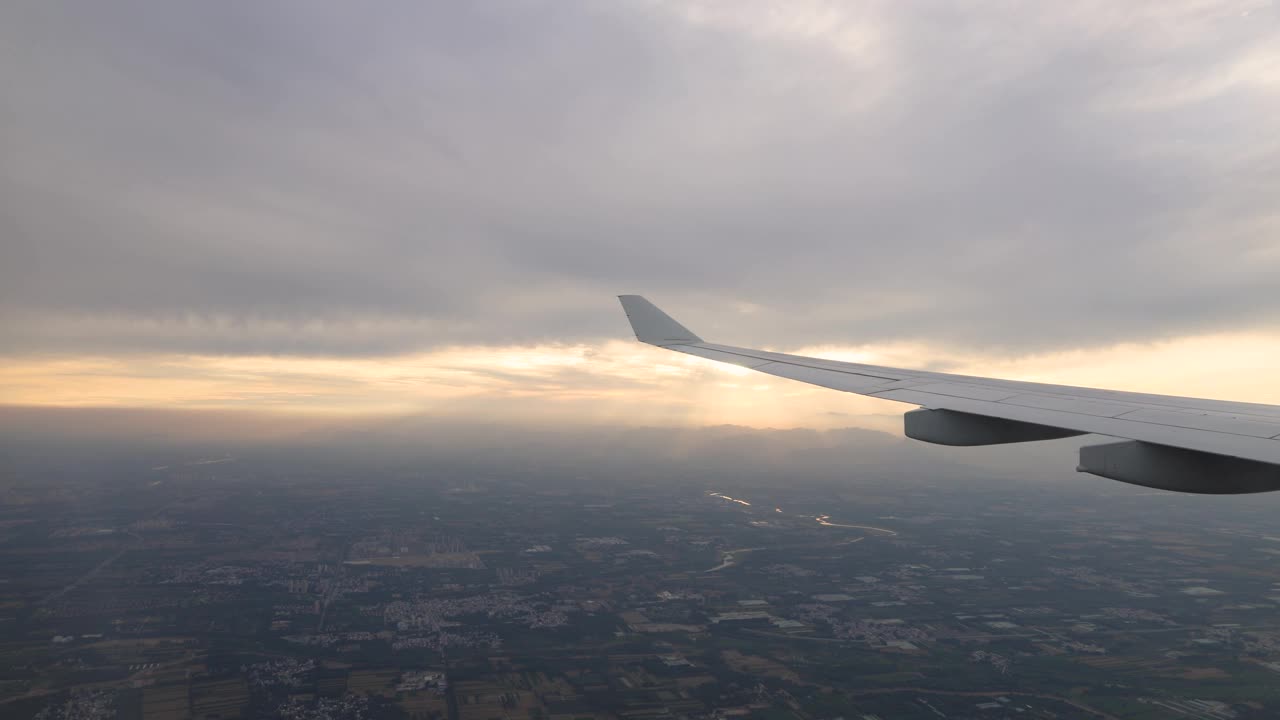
(619, 382)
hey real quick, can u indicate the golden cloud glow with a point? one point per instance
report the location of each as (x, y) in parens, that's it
(616, 382)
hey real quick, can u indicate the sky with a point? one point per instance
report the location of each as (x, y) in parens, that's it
(332, 208)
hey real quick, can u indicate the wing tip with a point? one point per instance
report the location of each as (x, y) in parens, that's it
(653, 326)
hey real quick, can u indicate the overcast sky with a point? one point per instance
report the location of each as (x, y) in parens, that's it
(190, 185)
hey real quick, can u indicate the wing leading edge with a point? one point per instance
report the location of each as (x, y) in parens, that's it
(1173, 443)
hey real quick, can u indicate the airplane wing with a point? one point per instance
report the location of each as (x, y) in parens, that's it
(1172, 443)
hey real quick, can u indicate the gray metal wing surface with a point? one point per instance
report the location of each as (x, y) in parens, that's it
(1174, 443)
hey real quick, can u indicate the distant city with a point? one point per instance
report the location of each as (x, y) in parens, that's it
(224, 586)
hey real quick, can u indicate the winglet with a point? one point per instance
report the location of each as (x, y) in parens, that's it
(653, 326)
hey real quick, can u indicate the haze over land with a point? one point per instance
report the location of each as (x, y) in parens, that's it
(416, 570)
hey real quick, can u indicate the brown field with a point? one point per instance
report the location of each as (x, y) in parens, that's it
(164, 703)
(218, 699)
(432, 560)
(479, 700)
(1204, 673)
(381, 682)
(757, 665)
(513, 696)
(1153, 666)
(424, 705)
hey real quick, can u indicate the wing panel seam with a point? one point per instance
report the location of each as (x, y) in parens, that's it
(811, 367)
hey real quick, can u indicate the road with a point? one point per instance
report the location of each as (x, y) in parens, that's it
(983, 693)
(92, 573)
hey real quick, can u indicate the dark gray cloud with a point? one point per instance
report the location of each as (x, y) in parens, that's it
(338, 178)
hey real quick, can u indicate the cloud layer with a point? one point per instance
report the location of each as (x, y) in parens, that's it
(302, 178)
